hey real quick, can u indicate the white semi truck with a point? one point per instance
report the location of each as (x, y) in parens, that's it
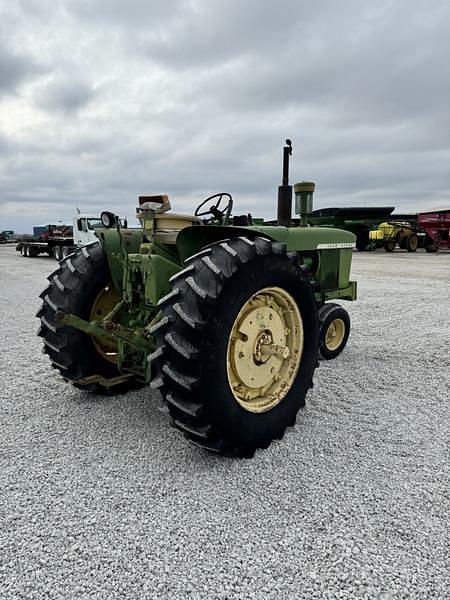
(61, 240)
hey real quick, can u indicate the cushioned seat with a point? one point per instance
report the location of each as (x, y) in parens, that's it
(169, 225)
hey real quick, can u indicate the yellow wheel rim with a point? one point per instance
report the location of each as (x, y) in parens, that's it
(335, 334)
(105, 301)
(264, 350)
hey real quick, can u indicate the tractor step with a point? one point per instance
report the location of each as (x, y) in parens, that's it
(108, 383)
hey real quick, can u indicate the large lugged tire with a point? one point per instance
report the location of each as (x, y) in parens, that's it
(334, 330)
(412, 243)
(201, 340)
(402, 242)
(75, 288)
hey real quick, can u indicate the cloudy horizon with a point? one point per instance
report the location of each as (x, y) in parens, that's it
(103, 101)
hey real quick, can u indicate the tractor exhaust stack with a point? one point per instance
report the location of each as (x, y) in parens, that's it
(284, 212)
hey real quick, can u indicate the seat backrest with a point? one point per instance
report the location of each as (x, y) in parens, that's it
(169, 225)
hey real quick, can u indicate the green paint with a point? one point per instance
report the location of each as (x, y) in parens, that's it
(332, 265)
(141, 267)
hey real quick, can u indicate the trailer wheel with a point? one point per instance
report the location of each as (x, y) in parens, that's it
(236, 345)
(23, 250)
(389, 246)
(334, 330)
(82, 286)
(32, 251)
(66, 250)
(412, 242)
(362, 240)
(57, 253)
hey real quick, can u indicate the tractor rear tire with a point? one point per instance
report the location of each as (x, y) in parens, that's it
(198, 336)
(74, 288)
(412, 243)
(334, 330)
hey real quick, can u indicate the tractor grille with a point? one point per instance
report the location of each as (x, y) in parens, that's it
(329, 270)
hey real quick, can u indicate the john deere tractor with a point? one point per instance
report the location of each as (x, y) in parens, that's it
(225, 315)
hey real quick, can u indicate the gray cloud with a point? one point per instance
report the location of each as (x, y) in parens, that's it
(191, 97)
(136, 14)
(15, 69)
(66, 94)
(222, 32)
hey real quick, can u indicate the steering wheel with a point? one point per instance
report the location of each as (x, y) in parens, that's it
(222, 215)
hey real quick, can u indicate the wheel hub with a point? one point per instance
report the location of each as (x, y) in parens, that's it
(105, 301)
(335, 334)
(264, 349)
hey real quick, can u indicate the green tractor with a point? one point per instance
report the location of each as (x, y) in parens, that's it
(225, 315)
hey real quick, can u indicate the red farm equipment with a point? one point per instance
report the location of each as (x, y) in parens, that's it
(436, 225)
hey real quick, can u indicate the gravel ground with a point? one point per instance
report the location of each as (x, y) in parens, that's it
(100, 498)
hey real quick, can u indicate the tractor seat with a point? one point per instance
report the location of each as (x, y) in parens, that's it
(169, 225)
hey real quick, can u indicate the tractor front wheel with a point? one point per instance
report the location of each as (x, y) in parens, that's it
(390, 245)
(236, 345)
(334, 330)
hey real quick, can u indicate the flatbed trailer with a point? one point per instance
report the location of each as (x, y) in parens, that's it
(59, 247)
(52, 243)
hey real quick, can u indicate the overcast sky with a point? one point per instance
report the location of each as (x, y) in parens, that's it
(103, 100)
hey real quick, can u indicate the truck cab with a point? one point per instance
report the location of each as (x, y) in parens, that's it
(7, 235)
(84, 229)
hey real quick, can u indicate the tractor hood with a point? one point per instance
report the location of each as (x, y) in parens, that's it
(191, 239)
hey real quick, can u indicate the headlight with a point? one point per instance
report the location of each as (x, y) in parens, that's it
(108, 219)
